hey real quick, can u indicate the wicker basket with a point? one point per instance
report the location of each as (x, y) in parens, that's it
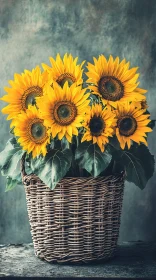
(76, 222)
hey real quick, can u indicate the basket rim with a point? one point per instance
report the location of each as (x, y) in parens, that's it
(100, 180)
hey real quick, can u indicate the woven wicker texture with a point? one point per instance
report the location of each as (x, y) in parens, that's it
(76, 222)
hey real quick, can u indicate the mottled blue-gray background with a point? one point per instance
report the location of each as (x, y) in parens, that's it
(33, 30)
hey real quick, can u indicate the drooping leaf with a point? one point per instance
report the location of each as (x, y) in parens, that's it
(13, 181)
(90, 157)
(11, 143)
(147, 161)
(138, 163)
(9, 161)
(53, 167)
(10, 184)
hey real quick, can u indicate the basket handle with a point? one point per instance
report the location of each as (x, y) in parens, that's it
(23, 166)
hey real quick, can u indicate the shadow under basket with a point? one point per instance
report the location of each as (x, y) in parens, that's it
(78, 221)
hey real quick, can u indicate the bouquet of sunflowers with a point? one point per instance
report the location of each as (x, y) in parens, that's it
(67, 125)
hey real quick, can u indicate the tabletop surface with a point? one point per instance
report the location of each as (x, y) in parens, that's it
(133, 260)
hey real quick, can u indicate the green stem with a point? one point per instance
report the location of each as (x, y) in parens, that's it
(80, 169)
(72, 163)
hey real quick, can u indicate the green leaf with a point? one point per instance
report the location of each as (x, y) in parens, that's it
(114, 143)
(35, 163)
(90, 157)
(138, 163)
(12, 143)
(10, 184)
(13, 181)
(115, 150)
(9, 161)
(64, 143)
(53, 167)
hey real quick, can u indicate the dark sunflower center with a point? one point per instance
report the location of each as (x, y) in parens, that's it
(66, 77)
(30, 100)
(29, 96)
(38, 131)
(96, 126)
(64, 112)
(127, 125)
(110, 88)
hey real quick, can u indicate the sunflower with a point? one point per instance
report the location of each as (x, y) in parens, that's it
(132, 124)
(99, 125)
(33, 134)
(25, 88)
(113, 81)
(64, 70)
(63, 109)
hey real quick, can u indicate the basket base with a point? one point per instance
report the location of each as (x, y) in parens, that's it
(75, 261)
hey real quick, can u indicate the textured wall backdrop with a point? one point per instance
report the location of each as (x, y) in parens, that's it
(33, 30)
